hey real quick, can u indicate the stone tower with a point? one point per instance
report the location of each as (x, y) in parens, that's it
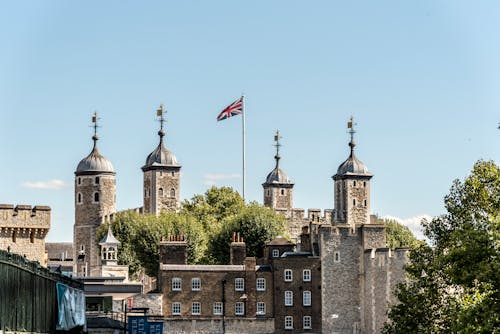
(161, 177)
(352, 189)
(94, 200)
(278, 188)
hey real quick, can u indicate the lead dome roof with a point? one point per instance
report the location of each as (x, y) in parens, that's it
(94, 163)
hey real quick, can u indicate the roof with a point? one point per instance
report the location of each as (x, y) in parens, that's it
(109, 239)
(56, 249)
(279, 241)
(277, 176)
(161, 157)
(352, 166)
(94, 163)
(208, 267)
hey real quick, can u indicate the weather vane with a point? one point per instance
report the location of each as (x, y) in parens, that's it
(160, 112)
(95, 120)
(277, 138)
(350, 126)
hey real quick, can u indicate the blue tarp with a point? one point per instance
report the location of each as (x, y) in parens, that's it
(71, 307)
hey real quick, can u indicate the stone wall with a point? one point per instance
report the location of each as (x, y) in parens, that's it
(215, 326)
(23, 229)
(153, 301)
(297, 218)
(89, 215)
(162, 190)
(340, 272)
(383, 270)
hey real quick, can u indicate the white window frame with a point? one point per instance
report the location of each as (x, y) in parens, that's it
(306, 298)
(288, 275)
(239, 284)
(288, 298)
(288, 322)
(176, 308)
(196, 308)
(217, 309)
(306, 275)
(239, 308)
(195, 284)
(176, 284)
(261, 284)
(261, 308)
(276, 253)
(336, 257)
(307, 322)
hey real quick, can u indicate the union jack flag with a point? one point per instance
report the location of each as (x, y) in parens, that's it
(235, 108)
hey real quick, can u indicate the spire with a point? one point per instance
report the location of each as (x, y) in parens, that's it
(350, 126)
(277, 138)
(95, 138)
(160, 112)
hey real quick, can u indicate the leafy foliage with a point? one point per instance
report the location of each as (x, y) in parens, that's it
(454, 285)
(206, 220)
(398, 235)
(256, 223)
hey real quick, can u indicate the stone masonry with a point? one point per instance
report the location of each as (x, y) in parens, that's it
(23, 229)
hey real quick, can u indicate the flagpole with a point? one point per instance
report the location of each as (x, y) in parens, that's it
(243, 132)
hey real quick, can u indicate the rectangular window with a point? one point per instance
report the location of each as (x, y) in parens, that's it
(288, 322)
(239, 284)
(306, 321)
(176, 308)
(239, 308)
(306, 275)
(288, 275)
(261, 284)
(217, 308)
(196, 308)
(261, 308)
(176, 284)
(288, 298)
(276, 253)
(195, 284)
(306, 298)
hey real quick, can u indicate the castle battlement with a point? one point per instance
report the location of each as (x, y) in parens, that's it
(24, 216)
(23, 229)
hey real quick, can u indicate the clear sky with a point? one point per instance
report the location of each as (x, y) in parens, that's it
(421, 78)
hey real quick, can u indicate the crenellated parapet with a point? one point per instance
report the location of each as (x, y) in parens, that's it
(298, 217)
(23, 229)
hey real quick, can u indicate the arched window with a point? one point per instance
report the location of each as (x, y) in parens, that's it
(354, 183)
(79, 198)
(282, 191)
(96, 197)
(354, 202)
(97, 180)
(104, 252)
(172, 192)
(365, 202)
(79, 180)
(160, 192)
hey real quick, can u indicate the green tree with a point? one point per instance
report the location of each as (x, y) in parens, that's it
(255, 223)
(140, 236)
(398, 235)
(453, 286)
(213, 207)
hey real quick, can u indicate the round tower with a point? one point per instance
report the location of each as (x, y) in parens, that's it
(278, 188)
(352, 188)
(94, 201)
(161, 177)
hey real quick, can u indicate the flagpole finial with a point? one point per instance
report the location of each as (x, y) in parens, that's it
(351, 131)
(277, 144)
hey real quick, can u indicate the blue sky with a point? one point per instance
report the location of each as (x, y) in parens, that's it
(421, 79)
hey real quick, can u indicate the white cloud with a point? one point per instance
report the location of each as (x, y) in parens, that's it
(413, 223)
(51, 184)
(211, 179)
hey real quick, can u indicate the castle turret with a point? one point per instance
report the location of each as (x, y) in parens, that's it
(352, 189)
(109, 248)
(161, 177)
(94, 199)
(278, 188)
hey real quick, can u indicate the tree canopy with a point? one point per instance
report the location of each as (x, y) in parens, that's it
(398, 235)
(207, 220)
(453, 286)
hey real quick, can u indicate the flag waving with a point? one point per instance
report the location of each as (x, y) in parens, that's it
(235, 108)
